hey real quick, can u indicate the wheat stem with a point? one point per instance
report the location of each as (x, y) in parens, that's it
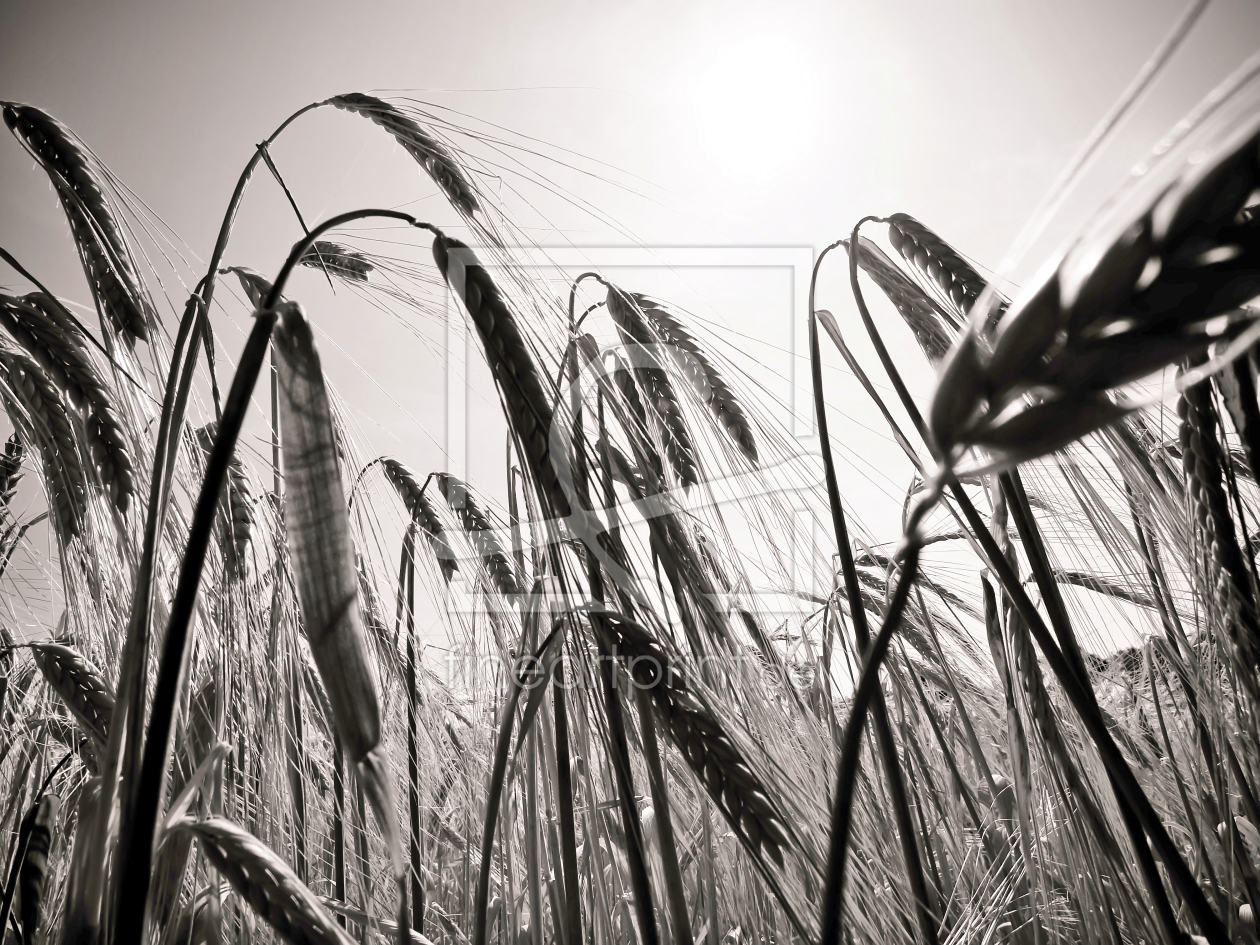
(846, 777)
(857, 610)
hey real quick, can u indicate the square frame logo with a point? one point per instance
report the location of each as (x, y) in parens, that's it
(798, 261)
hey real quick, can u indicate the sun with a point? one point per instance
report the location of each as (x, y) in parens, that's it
(753, 103)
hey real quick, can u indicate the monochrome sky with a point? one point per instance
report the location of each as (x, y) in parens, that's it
(688, 123)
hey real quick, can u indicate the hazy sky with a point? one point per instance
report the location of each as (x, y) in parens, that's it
(738, 124)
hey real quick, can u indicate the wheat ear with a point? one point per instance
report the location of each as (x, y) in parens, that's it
(318, 523)
(80, 685)
(654, 381)
(33, 878)
(409, 489)
(238, 500)
(701, 738)
(267, 883)
(1202, 458)
(42, 326)
(1140, 289)
(336, 260)
(39, 415)
(76, 176)
(957, 278)
(436, 159)
(511, 362)
(704, 376)
(932, 328)
(478, 530)
(11, 467)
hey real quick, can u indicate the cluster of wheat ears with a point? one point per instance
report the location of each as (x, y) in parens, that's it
(670, 744)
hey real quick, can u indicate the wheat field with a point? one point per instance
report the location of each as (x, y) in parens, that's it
(656, 709)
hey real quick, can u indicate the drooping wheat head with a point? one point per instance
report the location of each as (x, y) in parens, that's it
(40, 416)
(77, 178)
(479, 532)
(434, 157)
(267, 883)
(336, 260)
(409, 489)
(80, 685)
(933, 329)
(654, 382)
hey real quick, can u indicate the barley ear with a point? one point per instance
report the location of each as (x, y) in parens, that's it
(434, 157)
(40, 416)
(11, 467)
(937, 260)
(336, 260)
(479, 531)
(77, 177)
(33, 878)
(408, 487)
(932, 328)
(81, 687)
(704, 376)
(267, 883)
(650, 374)
(512, 363)
(318, 525)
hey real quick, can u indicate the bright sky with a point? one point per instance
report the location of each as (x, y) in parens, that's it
(740, 124)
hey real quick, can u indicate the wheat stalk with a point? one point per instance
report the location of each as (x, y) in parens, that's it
(77, 178)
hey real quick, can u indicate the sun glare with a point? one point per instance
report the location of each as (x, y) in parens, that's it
(753, 103)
